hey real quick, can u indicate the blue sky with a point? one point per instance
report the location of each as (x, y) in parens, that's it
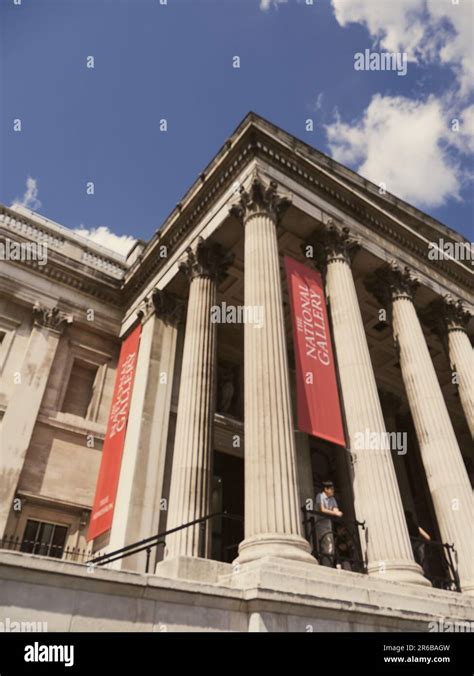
(175, 61)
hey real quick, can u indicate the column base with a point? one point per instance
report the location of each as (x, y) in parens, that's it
(192, 568)
(398, 571)
(292, 547)
(468, 590)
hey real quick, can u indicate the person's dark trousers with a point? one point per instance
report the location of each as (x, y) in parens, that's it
(327, 549)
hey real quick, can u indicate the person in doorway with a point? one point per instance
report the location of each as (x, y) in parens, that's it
(345, 548)
(326, 508)
(418, 537)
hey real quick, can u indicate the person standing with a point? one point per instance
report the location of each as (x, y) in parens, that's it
(418, 537)
(327, 509)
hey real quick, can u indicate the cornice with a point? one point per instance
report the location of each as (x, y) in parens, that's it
(58, 238)
(338, 190)
(184, 218)
(359, 207)
(63, 270)
(254, 138)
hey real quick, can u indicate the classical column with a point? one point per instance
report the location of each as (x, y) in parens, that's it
(205, 266)
(305, 470)
(455, 319)
(24, 404)
(272, 509)
(376, 493)
(140, 485)
(391, 409)
(445, 469)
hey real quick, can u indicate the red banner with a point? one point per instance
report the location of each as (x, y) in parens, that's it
(319, 411)
(109, 473)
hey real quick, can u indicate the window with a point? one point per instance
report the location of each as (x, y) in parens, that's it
(80, 388)
(45, 539)
(7, 333)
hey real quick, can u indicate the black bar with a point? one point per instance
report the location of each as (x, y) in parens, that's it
(337, 653)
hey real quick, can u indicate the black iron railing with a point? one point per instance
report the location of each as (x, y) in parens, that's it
(86, 556)
(344, 550)
(438, 561)
(41, 548)
(148, 544)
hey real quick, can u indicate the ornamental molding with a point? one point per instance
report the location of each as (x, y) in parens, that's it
(446, 314)
(334, 243)
(63, 272)
(50, 318)
(206, 259)
(256, 143)
(392, 282)
(162, 304)
(260, 198)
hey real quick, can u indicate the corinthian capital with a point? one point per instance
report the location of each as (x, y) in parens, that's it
(334, 243)
(167, 307)
(50, 318)
(447, 314)
(260, 199)
(391, 282)
(164, 305)
(455, 315)
(206, 259)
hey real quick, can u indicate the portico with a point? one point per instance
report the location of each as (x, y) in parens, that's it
(212, 425)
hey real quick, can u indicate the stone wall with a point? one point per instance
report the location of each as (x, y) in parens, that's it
(269, 595)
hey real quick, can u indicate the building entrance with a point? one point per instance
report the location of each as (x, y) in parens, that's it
(228, 496)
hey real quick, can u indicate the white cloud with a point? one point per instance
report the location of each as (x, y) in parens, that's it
(462, 130)
(121, 244)
(30, 197)
(266, 4)
(403, 144)
(458, 50)
(394, 24)
(430, 31)
(319, 101)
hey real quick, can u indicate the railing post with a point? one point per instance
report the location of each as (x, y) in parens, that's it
(202, 540)
(452, 567)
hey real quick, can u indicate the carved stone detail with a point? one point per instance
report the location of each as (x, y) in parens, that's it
(207, 259)
(260, 198)
(391, 282)
(454, 314)
(51, 318)
(167, 307)
(334, 243)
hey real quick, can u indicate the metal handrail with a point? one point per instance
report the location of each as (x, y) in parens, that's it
(449, 559)
(147, 544)
(309, 522)
(44, 548)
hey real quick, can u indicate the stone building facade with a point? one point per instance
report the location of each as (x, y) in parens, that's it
(211, 427)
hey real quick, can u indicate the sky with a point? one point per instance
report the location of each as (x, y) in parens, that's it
(85, 146)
